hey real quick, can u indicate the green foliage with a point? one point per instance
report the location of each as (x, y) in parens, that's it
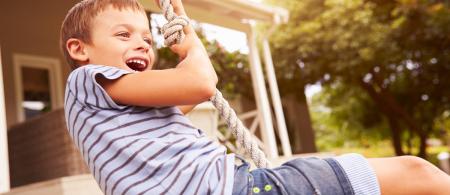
(232, 67)
(377, 59)
(343, 118)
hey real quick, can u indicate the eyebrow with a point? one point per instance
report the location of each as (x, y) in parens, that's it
(130, 27)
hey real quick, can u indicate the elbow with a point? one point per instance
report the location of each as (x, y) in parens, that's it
(206, 85)
(208, 90)
(203, 85)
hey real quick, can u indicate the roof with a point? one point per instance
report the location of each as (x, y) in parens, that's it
(228, 13)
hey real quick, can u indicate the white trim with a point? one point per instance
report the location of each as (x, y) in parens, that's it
(276, 100)
(53, 66)
(227, 13)
(262, 101)
(4, 160)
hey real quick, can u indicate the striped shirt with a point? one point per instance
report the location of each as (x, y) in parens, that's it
(141, 150)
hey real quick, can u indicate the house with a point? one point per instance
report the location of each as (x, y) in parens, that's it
(42, 159)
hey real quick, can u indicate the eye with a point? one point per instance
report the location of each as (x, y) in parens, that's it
(148, 40)
(123, 34)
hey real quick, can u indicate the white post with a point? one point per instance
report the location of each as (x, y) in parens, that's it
(262, 102)
(4, 160)
(276, 100)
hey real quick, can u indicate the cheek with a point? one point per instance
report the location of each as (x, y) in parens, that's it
(114, 51)
(109, 55)
(152, 59)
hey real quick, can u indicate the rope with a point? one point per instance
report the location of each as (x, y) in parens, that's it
(242, 134)
(173, 34)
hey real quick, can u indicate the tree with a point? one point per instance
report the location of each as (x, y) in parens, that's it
(397, 52)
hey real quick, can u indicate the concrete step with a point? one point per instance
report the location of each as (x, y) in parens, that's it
(72, 185)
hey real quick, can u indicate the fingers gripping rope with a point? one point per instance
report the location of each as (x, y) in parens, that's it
(173, 34)
(173, 30)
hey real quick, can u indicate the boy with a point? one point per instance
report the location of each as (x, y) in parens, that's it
(121, 115)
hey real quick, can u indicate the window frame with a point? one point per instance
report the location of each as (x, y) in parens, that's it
(52, 65)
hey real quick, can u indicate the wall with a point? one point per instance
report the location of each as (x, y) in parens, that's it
(29, 27)
(41, 149)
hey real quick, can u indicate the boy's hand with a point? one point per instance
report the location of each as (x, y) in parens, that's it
(177, 6)
(191, 40)
(191, 45)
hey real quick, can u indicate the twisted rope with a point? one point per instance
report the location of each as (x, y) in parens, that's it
(173, 30)
(242, 134)
(173, 34)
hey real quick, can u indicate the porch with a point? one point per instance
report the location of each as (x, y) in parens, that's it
(41, 157)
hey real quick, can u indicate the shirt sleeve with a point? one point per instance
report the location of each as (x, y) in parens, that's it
(83, 86)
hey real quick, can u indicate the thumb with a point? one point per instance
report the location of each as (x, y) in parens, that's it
(178, 49)
(157, 3)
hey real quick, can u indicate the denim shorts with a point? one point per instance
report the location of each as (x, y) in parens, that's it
(309, 176)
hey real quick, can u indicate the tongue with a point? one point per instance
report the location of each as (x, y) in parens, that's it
(136, 66)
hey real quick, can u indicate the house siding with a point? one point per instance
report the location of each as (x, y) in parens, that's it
(41, 149)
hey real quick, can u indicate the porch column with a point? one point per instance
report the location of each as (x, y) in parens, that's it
(4, 160)
(262, 102)
(276, 100)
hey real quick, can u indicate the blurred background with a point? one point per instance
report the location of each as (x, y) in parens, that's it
(365, 76)
(381, 69)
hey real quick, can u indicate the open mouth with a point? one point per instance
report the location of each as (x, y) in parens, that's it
(137, 64)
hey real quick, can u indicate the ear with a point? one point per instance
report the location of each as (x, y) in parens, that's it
(77, 50)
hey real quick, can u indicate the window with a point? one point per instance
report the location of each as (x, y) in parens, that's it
(37, 84)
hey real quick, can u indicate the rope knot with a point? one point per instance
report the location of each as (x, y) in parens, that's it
(173, 30)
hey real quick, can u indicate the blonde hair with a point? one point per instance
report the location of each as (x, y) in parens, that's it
(78, 21)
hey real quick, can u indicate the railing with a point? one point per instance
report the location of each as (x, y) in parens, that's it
(226, 137)
(206, 117)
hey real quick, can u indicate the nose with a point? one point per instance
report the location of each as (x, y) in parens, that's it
(142, 45)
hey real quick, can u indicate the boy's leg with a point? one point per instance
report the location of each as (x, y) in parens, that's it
(409, 175)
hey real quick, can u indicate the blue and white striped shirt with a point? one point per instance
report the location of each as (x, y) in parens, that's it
(140, 150)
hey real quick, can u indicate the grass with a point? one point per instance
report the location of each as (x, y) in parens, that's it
(384, 149)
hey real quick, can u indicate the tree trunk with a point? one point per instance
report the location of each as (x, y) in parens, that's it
(387, 99)
(390, 107)
(396, 136)
(423, 145)
(298, 122)
(409, 141)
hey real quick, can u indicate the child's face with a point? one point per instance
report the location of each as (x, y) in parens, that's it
(121, 39)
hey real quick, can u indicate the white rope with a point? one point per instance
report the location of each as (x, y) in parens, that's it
(173, 30)
(242, 134)
(173, 34)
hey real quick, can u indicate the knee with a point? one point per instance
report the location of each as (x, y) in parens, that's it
(419, 166)
(414, 162)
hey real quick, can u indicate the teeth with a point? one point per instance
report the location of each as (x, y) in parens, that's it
(141, 62)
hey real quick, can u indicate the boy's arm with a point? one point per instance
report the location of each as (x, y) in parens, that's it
(193, 80)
